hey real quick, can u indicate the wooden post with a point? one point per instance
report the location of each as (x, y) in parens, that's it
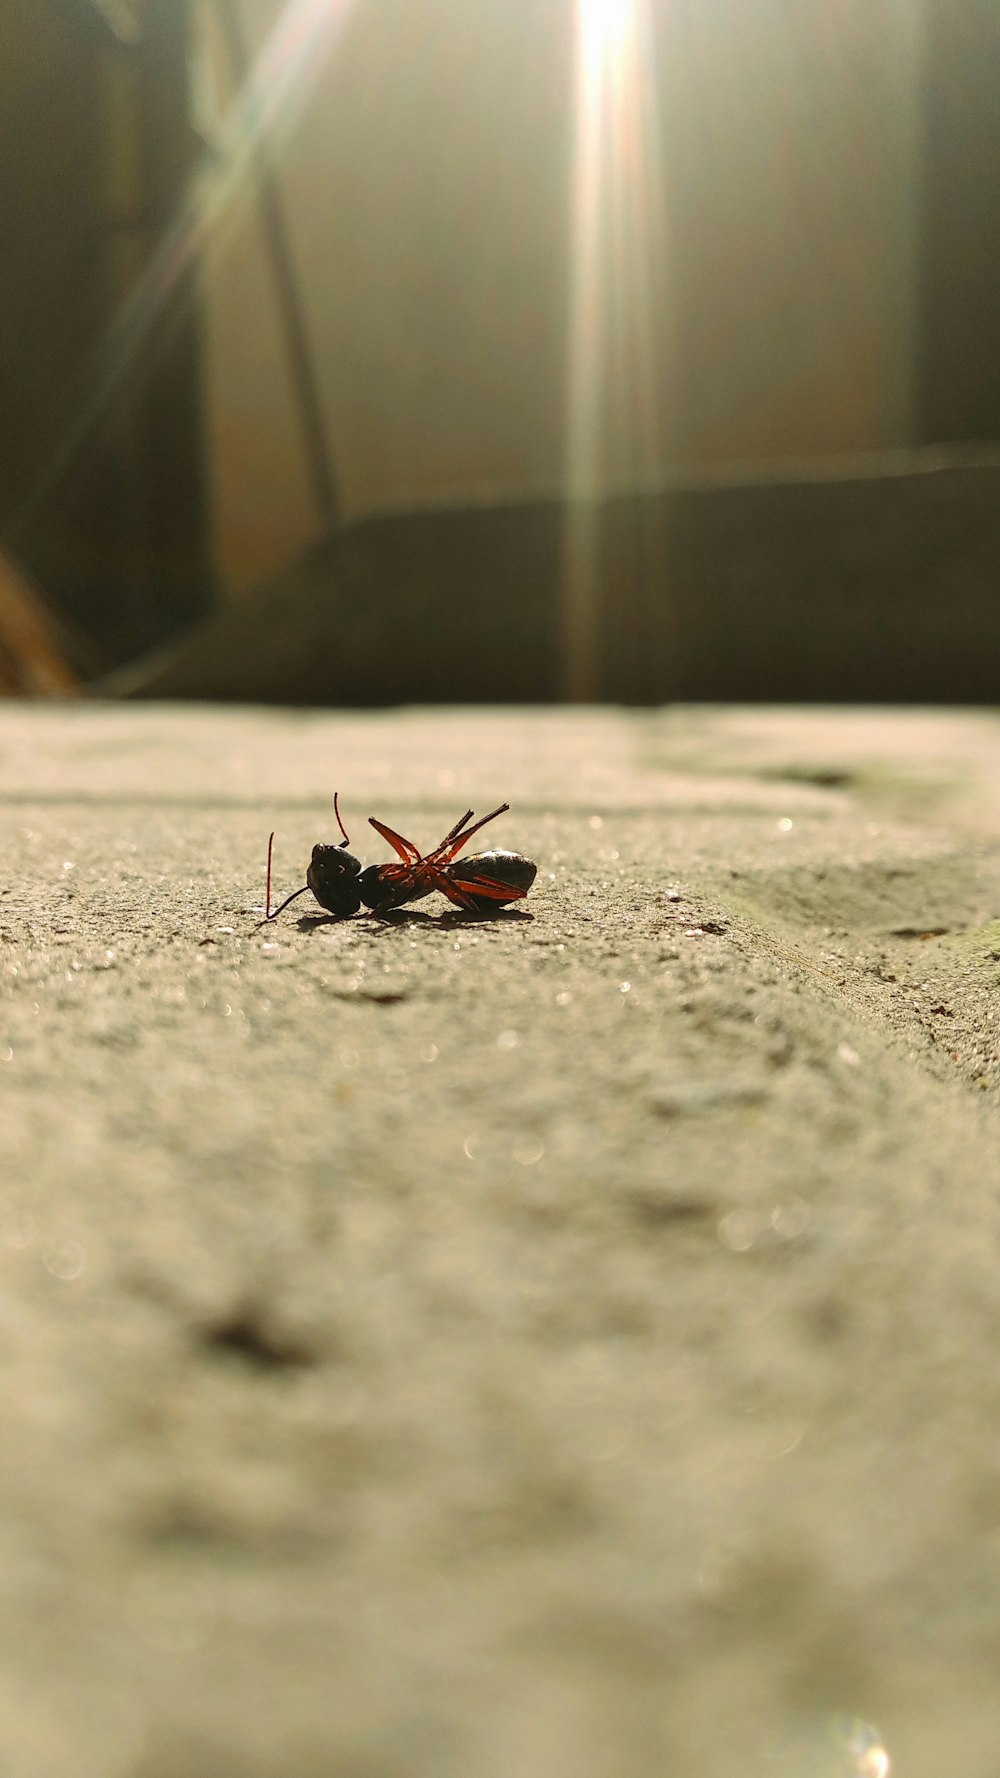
(176, 544)
(958, 340)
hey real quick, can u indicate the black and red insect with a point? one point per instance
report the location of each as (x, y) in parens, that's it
(480, 884)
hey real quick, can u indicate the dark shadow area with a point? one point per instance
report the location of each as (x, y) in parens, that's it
(104, 499)
(246, 1335)
(877, 583)
(958, 347)
(456, 918)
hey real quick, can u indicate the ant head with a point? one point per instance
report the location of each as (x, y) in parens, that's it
(333, 862)
(333, 878)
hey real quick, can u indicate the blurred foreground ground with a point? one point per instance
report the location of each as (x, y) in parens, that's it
(561, 1346)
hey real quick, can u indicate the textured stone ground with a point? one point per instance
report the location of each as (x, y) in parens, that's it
(560, 1346)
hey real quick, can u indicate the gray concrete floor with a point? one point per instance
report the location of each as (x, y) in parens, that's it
(558, 1345)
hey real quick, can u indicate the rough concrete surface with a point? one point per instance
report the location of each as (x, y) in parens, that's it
(565, 1345)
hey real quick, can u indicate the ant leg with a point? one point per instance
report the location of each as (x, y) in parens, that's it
(412, 856)
(408, 852)
(455, 839)
(270, 855)
(442, 856)
(449, 888)
(452, 833)
(405, 848)
(487, 888)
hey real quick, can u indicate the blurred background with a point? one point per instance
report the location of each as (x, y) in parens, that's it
(360, 351)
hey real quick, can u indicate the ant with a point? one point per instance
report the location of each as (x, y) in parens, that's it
(478, 884)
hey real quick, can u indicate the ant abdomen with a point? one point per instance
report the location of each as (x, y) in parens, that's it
(500, 870)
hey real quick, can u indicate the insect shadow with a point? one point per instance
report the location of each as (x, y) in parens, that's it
(453, 919)
(401, 918)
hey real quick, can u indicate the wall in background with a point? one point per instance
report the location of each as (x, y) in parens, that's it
(426, 187)
(454, 280)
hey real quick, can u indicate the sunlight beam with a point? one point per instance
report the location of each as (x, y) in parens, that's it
(614, 373)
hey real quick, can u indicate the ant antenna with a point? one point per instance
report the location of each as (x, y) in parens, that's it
(340, 824)
(293, 897)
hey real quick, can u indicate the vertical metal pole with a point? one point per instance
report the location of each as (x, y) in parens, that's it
(177, 544)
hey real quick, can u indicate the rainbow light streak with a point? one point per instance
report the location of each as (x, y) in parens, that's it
(616, 256)
(286, 68)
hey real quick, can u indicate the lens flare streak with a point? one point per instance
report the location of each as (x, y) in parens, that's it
(284, 71)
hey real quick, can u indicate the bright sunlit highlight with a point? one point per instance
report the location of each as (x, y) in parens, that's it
(613, 377)
(603, 27)
(864, 1745)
